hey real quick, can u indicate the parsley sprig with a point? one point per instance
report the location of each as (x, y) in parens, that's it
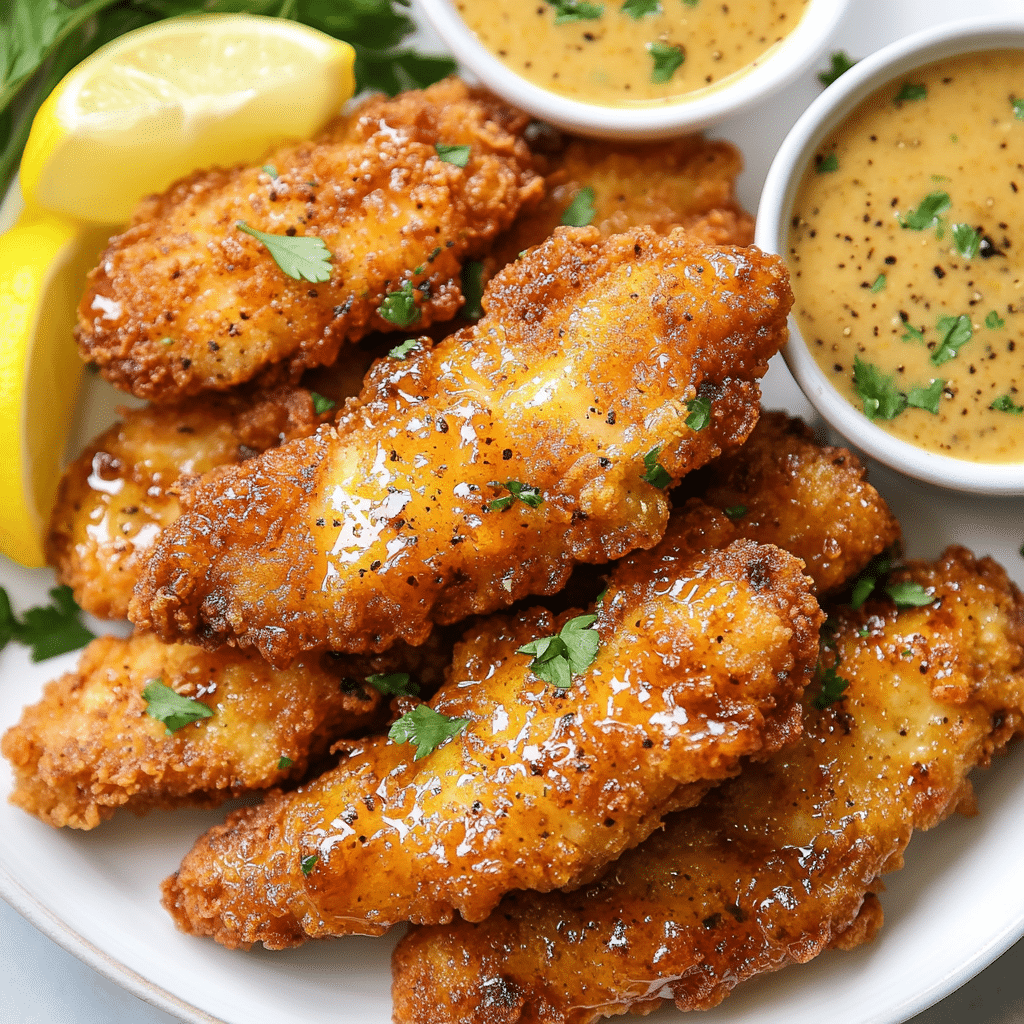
(48, 629)
(556, 659)
(667, 59)
(394, 684)
(839, 64)
(906, 593)
(580, 212)
(425, 727)
(654, 472)
(927, 213)
(399, 307)
(301, 257)
(518, 491)
(833, 685)
(569, 11)
(171, 708)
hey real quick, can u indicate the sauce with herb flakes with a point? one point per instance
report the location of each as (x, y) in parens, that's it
(904, 250)
(631, 52)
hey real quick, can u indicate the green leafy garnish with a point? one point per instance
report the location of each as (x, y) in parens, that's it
(956, 332)
(269, 169)
(1018, 109)
(399, 307)
(580, 212)
(654, 472)
(284, 762)
(881, 398)
(736, 511)
(1004, 403)
(911, 91)
(636, 9)
(908, 594)
(833, 685)
(455, 155)
(403, 351)
(175, 711)
(926, 398)
(879, 283)
(911, 333)
(828, 164)
(49, 629)
(528, 495)
(394, 684)
(700, 413)
(473, 289)
(966, 240)
(994, 321)
(667, 60)
(321, 403)
(839, 64)
(302, 257)
(926, 215)
(308, 863)
(568, 11)
(556, 659)
(425, 727)
(862, 589)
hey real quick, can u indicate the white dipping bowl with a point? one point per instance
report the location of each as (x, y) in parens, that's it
(798, 51)
(773, 217)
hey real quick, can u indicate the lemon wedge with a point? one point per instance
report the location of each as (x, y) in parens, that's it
(184, 93)
(43, 263)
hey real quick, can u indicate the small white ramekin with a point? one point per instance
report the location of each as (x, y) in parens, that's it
(773, 217)
(798, 51)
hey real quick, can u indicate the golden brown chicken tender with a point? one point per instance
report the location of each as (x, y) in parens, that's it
(89, 746)
(595, 359)
(183, 301)
(701, 661)
(773, 866)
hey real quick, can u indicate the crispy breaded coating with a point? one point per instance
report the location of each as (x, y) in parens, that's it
(89, 746)
(773, 866)
(702, 660)
(813, 500)
(183, 301)
(591, 354)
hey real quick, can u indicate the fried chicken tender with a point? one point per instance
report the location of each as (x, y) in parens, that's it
(813, 500)
(591, 354)
(773, 866)
(183, 301)
(702, 659)
(89, 746)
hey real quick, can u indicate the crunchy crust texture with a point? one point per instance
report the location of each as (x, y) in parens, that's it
(183, 302)
(589, 355)
(775, 865)
(544, 786)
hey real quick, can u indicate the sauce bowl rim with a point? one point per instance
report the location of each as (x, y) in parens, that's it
(798, 50)
(775, 210)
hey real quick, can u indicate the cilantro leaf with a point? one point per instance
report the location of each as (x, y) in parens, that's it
(302, 257)
(458, 156)
(391, 71)
(404, 350)
(926, 398)
(568, 11)
(1004, 403)
(700, 413)
(957, 331)
(175, 711)
(881, 398)
(833, 685)
(472, 280)
(927, 213)
(966, 240)
(50, 629)
(994, 321)
(862, 589)
(880, 282)
(839, 64)
(556, 659)
(321, 403)
(425, 727)
(1018, 109)
(399, 307)
(667, 59)
(828, 164)
(284, 762)
(636, 9)
(735, 511)
(911, 333)
(908, 594)
(654, 472)
(8, 623)
(580, 212)
(525, 493)
(394, 684)
(308, 863)
(911, 91)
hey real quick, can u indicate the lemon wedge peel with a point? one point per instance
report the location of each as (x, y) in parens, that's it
(158, 102)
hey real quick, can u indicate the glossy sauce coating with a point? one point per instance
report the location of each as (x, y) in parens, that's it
(868, 288)
(607, 59)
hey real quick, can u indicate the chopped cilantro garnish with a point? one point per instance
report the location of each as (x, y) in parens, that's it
(735, 511)
(667, 60)
(911, 333)
(473, 289)
(654, 472)
(568, 11)
(833, 686)
(556, 659)
(863, 632)
(956, 332)
(1018, 109)
(828, 164)
(394, 684)
(927, 213)
(1004, 403)
(966, 240)
(458, 156)
(926, 398)
(399, 307)
(994, 321)
(284, 762)
(881, 398)
(308, 863)
(49, 630)
(908, 594)
(528, 495)
(302, 257)
(403, 351)
(321, 403)
(269, 169)
(580, 212)
(862, 589)
(425, 727)
(700, 412)
(174, 710)
(839, 64)
(636, 9)
(879, 283)
(911, 91)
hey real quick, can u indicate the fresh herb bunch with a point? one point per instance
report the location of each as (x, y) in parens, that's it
(42, 40)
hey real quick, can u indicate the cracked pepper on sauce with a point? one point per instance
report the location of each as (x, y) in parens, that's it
(631, 52)
(906, 249)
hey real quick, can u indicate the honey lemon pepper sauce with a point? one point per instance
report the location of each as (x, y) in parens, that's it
(630, 52)
(905, 250)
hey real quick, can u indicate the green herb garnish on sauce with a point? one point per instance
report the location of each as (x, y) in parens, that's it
(926, 215)
(528, 495)
(828, 164)
(667, 60)
(399, 307)
(840, 63)
(654, 472)
(457, 156)
(425, 727)
(1004, 403)
(956, 332)
(879, 283)
(700, 413)
(966, 240)
(308, 863)
(556, 659)
(1018, 109)
(833, 686)
(881, 398)
(911, 91)
(926, 398)
(911, 333)
(908, 594)
(404, 350)
(994, 321)
(321, 403)
(636, 9)
(568, 11)
(580, 212)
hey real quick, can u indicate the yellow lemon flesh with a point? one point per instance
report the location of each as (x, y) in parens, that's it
(163, 100)
(43, 263)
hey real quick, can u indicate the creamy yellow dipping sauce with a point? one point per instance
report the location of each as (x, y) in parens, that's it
(602, 53)
(933, 311)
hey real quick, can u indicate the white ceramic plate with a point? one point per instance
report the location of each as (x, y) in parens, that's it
(958, 903)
